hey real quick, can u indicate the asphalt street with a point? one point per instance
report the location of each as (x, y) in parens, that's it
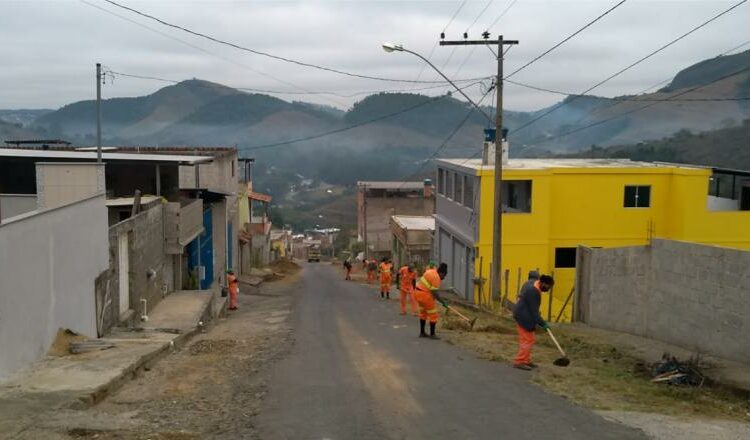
(357, 370)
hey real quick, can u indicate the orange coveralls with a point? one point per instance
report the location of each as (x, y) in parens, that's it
(234, 287)
(406, 288)
(427, 308)
(385, 277)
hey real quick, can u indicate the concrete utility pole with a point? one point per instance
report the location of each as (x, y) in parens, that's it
(98, 113)
(364, 217)
(497, 217)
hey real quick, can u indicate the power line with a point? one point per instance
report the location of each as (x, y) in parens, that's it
(623, 70)
(632, 98)
(281, 92)
(652, 103)
(502, 14)
(444, 144)
(201, 49)
(349, 127)
(262, 53)
(568, 38)
(432, 51)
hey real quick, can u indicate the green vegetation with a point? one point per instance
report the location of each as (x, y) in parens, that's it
(726, 147)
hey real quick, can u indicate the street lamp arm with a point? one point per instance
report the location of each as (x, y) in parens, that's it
(449, 81)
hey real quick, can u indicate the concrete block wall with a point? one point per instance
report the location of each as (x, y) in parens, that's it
(686, 294)
(147, 253)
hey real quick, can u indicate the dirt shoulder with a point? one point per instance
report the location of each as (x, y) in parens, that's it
(211, 388)
(601, 376)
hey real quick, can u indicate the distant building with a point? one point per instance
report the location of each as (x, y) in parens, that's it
(412, 239)
(550, 206)
(377, 202)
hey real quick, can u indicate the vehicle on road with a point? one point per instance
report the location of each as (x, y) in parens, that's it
(313, 254)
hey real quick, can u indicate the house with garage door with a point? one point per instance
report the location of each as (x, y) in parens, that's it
(550, 206)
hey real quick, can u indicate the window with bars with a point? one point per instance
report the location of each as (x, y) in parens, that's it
(637, 196)
(469, 192)
(458, 188)
(448, 184)
(441, 181)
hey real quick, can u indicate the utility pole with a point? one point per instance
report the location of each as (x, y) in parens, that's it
(98, 113)
(497, 216)
(364, 217)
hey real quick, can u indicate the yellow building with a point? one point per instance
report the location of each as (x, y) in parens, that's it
(550, 206)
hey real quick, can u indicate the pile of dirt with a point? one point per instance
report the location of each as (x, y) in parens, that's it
(61, 344)
(285, 267)
(212, 346)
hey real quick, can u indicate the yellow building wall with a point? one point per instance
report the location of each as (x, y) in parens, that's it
(584, 206)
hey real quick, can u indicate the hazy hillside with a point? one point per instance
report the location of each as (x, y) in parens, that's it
(630, 119)
(727, 148)
(15, 131)
(24, 117)
(196, 112)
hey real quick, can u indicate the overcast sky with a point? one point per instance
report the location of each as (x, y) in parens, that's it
(49, 48)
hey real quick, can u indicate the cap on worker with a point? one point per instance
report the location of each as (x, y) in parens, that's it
(230, 270)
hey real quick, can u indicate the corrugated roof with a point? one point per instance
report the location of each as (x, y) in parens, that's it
(85, 155)
(398, 185)
(415, 222)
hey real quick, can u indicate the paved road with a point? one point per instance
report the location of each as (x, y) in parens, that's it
(358, 371)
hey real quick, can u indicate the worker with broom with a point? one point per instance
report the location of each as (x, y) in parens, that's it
(426, 294)
(406, 279)
(233, 286)
(527, 317)
(386, 278)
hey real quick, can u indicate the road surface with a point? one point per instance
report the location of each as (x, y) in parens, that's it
(357, 370)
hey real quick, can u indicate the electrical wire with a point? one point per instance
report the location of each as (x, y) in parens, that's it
(434, 46)
(630, 66)
(348, 127)
(568, 38)
(281, 92)
(265, 54)
(502, 14)
(651, 104)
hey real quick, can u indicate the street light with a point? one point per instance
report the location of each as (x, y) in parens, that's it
(393, 47)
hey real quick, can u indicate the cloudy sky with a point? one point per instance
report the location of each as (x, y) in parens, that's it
(49, 48)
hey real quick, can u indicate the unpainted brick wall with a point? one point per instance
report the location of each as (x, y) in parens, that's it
(686, 294)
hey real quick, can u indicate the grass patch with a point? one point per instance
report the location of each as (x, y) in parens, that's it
(600, 376)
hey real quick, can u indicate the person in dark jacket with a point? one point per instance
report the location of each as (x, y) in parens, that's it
(527, 316)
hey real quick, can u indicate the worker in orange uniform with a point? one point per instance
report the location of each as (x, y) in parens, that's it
(426, 294)
(527, 316)
(372, 267)
(406, 278)
(386, 277)
(234, 289)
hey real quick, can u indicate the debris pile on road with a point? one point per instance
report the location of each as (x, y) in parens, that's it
(210, 346)
(672, 371)
(79, 347)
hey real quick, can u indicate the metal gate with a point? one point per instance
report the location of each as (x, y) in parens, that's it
(201, 254)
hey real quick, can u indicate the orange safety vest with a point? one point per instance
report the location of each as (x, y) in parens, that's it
(430, 281)
(406, 277)
(385, 268)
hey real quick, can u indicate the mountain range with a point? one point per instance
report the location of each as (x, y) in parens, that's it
(393, 132)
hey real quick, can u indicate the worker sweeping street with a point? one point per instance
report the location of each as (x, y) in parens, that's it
(348, 269)
(527, 316)
(427, 296)
(372, 267)
(234, 289)
(406, 279)
(386, 277)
